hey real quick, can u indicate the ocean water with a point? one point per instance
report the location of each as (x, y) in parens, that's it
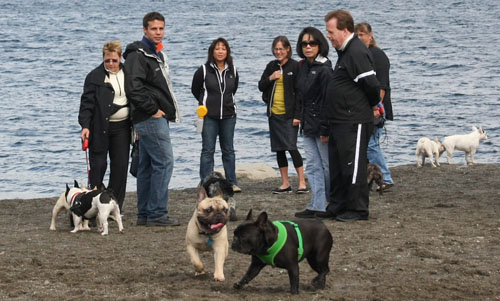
(445, 75)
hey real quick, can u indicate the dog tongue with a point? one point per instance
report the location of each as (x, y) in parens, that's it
(216, 226)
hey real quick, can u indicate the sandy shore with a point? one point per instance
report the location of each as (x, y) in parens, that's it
(434, 236)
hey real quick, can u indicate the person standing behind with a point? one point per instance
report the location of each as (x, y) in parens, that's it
(105, 121)
(214, 85)
(315, 71)
(278, 87)
(154, 105)
(382, 65)
(349, 113)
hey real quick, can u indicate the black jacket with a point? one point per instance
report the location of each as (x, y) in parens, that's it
(354, 87)
(266, 86)
(216, 90)
(312, 82)
(148, 84)
(96, 107)
(382, 65)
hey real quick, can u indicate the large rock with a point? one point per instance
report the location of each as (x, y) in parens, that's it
(256, 171)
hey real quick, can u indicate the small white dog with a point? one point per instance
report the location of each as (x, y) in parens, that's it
(64, 202)
(429, 148)
(467, 143)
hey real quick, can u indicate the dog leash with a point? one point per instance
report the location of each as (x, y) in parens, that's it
(85, 147)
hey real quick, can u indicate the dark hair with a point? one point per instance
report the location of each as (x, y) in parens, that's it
(151, 17)
(344, 19)
(229, 58)
(366, 28)
(286, 44)
(318, 36)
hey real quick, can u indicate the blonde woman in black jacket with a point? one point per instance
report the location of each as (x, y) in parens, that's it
(105, 120)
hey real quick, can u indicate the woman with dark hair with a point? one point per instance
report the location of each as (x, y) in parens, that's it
(214, 85)
(277, 85)
(382, 65)
(105, 120)
(315, 70)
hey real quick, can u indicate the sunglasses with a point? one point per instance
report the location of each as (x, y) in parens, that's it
(310, 43)
(111, 60)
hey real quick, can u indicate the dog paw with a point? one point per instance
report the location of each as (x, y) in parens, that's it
(104, 233)
(122, 231)
(237, 285)
(199, 273)
(219, 278)
(52, 228)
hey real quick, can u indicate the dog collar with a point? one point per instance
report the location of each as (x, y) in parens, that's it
(280, 242)
(73, 198)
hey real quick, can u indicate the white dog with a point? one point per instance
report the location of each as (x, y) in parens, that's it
(64, 202)
(428, 148)
(467, 143)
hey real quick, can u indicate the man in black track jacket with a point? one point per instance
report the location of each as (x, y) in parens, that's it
(354, 91)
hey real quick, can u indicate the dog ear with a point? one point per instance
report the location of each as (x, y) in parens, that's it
(202, 194)
(249, 215)
(262, 220)
(67, 189)
(76, 184)
(474, 128)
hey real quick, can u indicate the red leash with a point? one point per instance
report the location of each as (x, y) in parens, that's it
(85, 146)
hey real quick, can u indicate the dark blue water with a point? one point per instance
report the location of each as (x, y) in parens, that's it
(445, 75)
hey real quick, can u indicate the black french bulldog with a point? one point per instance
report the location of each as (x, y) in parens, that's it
(309, 237)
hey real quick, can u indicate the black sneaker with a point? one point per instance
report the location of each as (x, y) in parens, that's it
(141, 222)
(325, 215)
(306, 214)
(162, 222)
(351, 216)
(280, 190)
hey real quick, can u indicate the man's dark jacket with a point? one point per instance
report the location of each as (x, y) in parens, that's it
(146, 86)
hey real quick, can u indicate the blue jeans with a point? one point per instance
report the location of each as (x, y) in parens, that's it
(375, 155)
(224, 128)
(156, 164)
(318, 172)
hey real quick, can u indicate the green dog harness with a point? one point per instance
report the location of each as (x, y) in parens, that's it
(280, 242)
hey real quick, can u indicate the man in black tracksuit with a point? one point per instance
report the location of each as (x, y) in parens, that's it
(349, 114)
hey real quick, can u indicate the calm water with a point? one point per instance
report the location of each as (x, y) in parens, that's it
(445, 75)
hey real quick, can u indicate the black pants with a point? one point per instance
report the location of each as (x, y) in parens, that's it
(119, 151)
(347, 153)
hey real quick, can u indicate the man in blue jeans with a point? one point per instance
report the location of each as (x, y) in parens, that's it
(149, 89)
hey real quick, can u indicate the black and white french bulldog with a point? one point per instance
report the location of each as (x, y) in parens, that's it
(86, 204)
(283, 244)
(100, 204)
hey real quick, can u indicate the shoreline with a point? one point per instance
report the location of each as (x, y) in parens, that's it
(244, 175)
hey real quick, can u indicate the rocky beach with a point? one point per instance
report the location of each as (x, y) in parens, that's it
(435, 235)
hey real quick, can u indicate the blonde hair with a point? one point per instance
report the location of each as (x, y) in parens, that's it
(113, 46)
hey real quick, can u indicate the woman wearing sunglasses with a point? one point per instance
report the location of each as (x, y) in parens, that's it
(315, 70)
(105, 120)
(277, 85)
